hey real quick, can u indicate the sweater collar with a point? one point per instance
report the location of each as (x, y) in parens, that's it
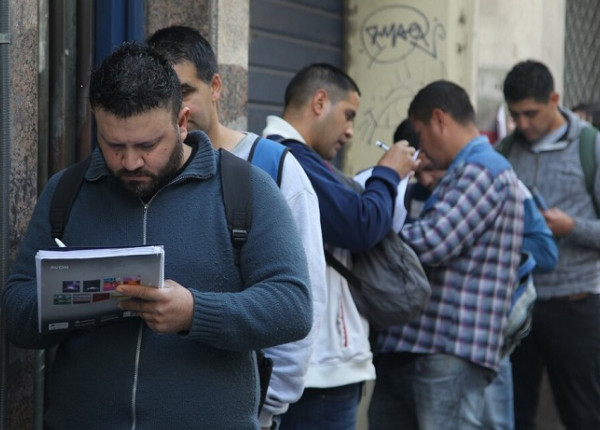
(203, 164)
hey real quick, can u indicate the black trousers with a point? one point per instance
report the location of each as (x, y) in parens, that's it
(565, 339)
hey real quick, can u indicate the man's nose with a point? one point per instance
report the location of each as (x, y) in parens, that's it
(349, 132)
(521, 122)
(131, 160)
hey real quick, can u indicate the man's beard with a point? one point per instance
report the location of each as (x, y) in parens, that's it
(145, 189)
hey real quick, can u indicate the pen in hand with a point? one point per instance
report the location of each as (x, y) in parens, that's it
(387, 148)
(382, 145)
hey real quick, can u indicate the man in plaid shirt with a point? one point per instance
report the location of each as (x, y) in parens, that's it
(468, 237)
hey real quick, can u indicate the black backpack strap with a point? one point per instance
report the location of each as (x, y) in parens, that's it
(65, 194)
(237, 199)
(342, 270)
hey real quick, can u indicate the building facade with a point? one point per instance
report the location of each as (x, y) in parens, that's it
(391, 47)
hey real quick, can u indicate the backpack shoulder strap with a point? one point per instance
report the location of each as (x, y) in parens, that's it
(587, 157)
(339, 267)
(237, 192)
(65, 194)
(269, 156)
(505, 145)
(237, 199)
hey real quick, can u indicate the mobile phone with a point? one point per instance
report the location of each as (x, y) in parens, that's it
(538, 199)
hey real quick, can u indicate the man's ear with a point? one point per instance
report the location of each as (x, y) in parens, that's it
(319, 102)
(182, 121)
(439, 119)
(554, 98)
(215, 87)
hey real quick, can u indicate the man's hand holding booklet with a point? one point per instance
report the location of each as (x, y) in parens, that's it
(77, 287)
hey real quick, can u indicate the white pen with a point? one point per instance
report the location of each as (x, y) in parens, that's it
(387, 148)
(382, 145)
(59, 242)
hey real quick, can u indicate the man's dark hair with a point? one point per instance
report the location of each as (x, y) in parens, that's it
(405, 131)
(133, 80)
(179, 43)
(445, 95)
(528, 79)
(318, 76)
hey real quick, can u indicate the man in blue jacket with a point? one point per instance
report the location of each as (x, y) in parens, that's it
(321, 102)
(468, 237)
(537, 241)
(187, 361)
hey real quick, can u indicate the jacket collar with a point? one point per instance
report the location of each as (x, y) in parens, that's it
(574, 126)
(280, 127)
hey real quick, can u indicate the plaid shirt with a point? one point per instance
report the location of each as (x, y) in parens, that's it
(468, 238)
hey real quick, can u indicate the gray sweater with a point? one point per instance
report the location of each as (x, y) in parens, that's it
(557, 173)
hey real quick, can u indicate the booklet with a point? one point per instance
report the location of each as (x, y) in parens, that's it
(76, 286)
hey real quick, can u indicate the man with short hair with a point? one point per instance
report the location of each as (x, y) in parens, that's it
(537, 241)
(196, 66)
(565, 335)
(321, 102)
(188, 361)
(468, 237)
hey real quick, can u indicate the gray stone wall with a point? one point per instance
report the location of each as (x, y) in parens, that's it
(23, 190)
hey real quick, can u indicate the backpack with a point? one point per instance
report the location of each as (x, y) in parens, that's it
(587, 157)
(236, 185)
(269, 156)
(387, 283)
(520, 315)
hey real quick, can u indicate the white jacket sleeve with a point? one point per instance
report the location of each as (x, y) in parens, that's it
(291, 360)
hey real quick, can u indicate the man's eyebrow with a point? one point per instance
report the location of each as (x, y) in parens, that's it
(146, 142)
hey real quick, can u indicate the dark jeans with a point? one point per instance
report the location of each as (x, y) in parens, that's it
(565, 339)
(324, 409)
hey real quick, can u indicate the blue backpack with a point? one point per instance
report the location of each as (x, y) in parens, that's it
(269, 156)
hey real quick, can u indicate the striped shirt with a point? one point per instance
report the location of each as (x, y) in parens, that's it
(468, 238)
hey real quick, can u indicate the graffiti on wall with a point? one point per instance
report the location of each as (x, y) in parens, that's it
(390, 37)
(391, 33)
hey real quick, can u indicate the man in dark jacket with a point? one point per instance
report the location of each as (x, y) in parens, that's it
(187, 361)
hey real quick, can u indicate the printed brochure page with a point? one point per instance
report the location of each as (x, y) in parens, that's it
(76, 287)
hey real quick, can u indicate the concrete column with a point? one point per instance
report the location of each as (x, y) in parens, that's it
(23, 111)
(511, 31)
(225, 24)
